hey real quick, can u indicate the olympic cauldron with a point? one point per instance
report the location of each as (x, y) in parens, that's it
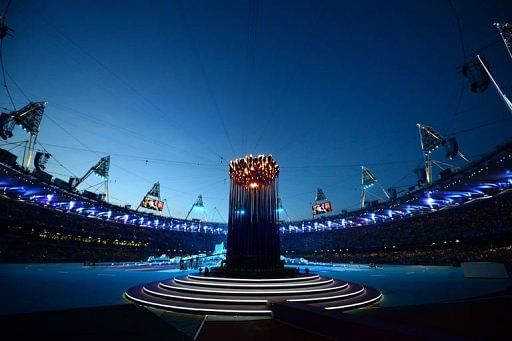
(253, 278)
(253, 231)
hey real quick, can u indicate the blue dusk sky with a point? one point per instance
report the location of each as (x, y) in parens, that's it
(173, 90)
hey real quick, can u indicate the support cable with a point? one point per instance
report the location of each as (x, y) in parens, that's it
(5, 31)
(206, 79)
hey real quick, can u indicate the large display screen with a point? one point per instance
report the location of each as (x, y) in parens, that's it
(322, 208)
(152, 204)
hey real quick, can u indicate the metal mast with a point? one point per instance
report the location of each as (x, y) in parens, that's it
(153, 192)
(101, 169)
(368, 180)
(430, 140)
(198, 203)
(504, 97)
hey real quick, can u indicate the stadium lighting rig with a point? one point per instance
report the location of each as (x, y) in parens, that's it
(321, 205)
(474, 71)
(152, 200)
(281, 210)
(41, 159)
(101, 168)
(320, 195)
(29, 118)
(368, 180)
(197, 204)
(430, 141)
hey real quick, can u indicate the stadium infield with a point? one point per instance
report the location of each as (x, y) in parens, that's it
(433, 297)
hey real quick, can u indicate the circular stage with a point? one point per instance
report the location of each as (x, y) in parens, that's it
(215, 295)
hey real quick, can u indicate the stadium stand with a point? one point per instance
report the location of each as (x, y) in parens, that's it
(465, 217)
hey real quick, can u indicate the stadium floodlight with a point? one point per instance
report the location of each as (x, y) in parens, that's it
(155, 190)
(506, 34)
(279, 205)
(7, 124)
(320, 196)
(152, 200)
(102, 167)
(280, 210)
(197, 204)
(474, 71)
(40, 160)
(452, 148)
(29, 117)
(368, 180)
(430, 138)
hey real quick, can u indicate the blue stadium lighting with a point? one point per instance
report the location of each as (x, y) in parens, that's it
(15, 188)
(487, 186)
(476, 183)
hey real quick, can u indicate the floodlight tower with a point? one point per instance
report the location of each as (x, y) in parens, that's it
(101, 169)
(430, 140)
(320, 195)
(368, 180)
(155, 193)
(29, 118)
(281, 209)
(197, 204)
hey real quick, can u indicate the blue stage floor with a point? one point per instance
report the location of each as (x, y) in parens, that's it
(42, 287)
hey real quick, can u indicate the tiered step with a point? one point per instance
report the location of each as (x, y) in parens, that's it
(250, 296)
